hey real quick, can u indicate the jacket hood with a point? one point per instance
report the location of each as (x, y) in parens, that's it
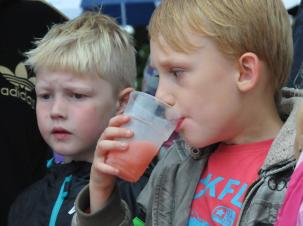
(282, 148)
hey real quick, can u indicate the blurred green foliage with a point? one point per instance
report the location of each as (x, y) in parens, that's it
(142, 56)
(142, 48)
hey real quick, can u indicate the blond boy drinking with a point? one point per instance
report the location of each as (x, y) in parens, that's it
(85, 70)
(221, 64)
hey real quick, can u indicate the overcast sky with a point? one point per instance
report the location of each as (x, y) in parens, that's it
(291, 3)
(72, 7)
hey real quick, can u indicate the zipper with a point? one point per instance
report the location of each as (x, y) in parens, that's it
(49, 163)
(251, 190)
(60, 199)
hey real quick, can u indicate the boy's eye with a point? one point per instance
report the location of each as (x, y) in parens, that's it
(43, 96)
(177, 73)
(77, 95)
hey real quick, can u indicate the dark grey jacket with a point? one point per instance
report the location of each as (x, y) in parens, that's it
(168, 195)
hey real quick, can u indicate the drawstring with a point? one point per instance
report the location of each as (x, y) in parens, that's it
(64, 192)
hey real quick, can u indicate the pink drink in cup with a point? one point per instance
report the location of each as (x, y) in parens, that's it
(131, 165)
(152, 122)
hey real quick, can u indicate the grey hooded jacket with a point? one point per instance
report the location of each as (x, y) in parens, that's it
(167, 197)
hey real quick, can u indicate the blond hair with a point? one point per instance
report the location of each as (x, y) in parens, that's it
(89, 44)
(237, 26)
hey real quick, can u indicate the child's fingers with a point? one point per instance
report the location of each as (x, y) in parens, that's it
(102, 175)
(99, 166)
(103, 168)
(119, 120)
(111, 133)
(102, 150)
(105, 146)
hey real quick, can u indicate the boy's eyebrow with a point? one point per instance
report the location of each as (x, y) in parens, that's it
(167, 62)
(79, 88)
(39, 85)
(76, 85)
(171, 63)
(162, 63)
(66, 85)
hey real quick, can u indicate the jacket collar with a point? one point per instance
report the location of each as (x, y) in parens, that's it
(76, 168)
(282, 148)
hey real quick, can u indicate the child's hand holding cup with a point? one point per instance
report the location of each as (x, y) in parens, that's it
(152, 122)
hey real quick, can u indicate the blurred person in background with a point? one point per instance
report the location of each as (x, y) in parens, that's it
(23, 152)
(296, 74)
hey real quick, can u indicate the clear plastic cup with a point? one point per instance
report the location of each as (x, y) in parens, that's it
(152, 122)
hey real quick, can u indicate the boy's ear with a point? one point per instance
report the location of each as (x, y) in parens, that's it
(249, 64)
(123, 99)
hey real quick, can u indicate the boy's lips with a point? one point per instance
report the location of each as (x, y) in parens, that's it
(60, 133)
(179, 124)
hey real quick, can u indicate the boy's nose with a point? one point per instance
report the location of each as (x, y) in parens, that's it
(58, 109)
(164, 92)
(165, 96)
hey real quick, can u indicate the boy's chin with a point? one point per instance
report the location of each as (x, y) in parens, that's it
(190, 141)
(195, 142)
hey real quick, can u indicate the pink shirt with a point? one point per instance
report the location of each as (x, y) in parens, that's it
(300, 214)
(291, 212)
(231, 169)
